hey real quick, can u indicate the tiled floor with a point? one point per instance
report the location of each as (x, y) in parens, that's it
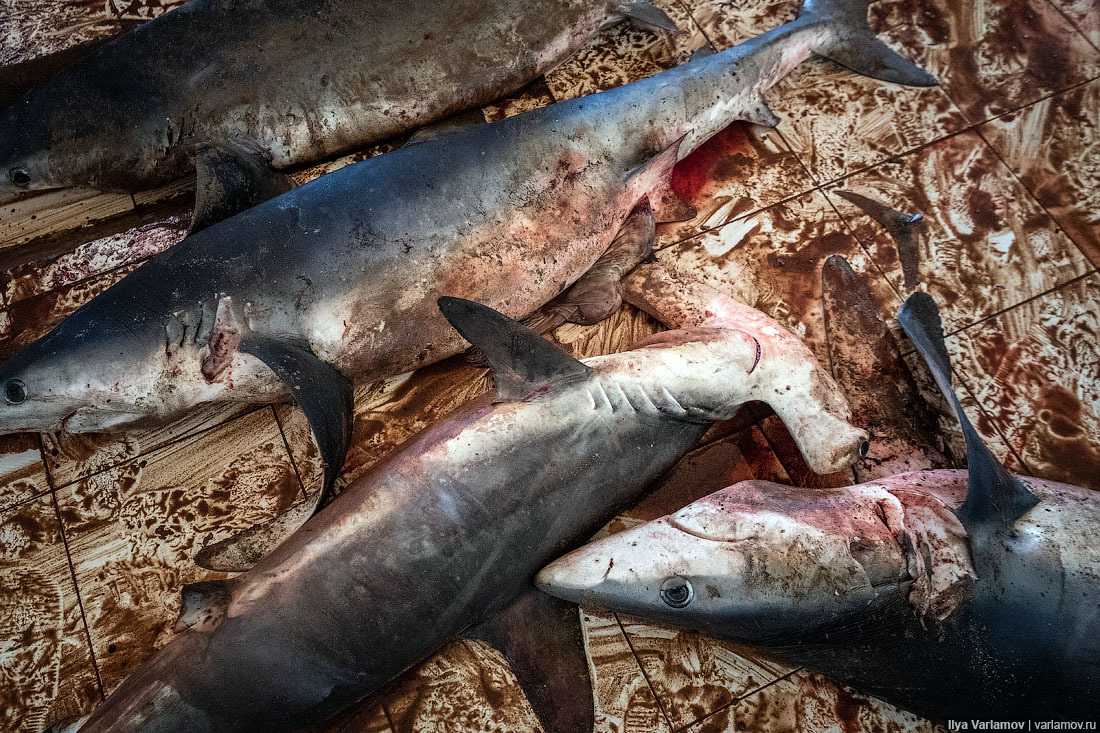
(1003, 158)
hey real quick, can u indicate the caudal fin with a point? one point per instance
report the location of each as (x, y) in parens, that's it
(852, 43)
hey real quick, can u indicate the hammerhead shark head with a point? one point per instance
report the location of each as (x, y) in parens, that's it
(957, 594)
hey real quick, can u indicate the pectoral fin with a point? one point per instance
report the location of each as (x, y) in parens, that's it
(761, 114)
(523, 363)
(541, 638)
(654, 177)
(906, 229)
(995, 498)
(455, 123)
(231, 177)
(599, 292)
(325, 397)
(649, 15)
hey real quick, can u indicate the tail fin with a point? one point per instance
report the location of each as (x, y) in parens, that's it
(856, 47)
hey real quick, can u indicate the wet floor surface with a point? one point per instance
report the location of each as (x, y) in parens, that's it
(1003, 158)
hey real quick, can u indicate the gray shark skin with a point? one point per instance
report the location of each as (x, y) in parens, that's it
(287, 81)
(983, 608)
(451, 528)
(338, 279)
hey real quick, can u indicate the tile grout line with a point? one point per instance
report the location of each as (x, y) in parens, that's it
(1027, 188)
(289, 452)
(645, 675)
(736, 701)
(1073, 24)
(72, 575)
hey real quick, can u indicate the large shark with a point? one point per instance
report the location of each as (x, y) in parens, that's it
(447, 533)
(338, 279)
(235, 88)
(956, 594)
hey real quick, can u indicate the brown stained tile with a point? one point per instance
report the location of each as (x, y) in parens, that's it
(694, 675)
(838, 122)
(742, 169)
(57, 210)
(133, 529)
(805, 702)
(1054, 146)
(624, 53)
(22, 473)
(534, 95)
(1085, 16)
(306, 175)
(73, 456)
(33, 28)
(467, 687)
(729, 22)
(46, 671)
(139, 11)
(772, 261)
(992, 56)
(93, 258)
(623, 330)
(1035, 370)
(710, 468)
(987, 246)
(623, 699)
(34, 317)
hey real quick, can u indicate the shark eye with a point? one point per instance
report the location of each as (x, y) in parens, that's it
(19, 176)
(677, 592)
(15, 391)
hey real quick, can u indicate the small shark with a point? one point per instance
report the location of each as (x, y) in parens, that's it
(444, 536)
(956, 594)
(235, 89)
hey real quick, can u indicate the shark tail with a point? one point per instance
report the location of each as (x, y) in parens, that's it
(852, 44)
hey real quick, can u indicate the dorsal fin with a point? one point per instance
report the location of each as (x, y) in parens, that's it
(995, 499)
(523, 362)
(202, 605)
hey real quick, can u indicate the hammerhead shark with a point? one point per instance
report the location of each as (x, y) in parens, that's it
(957, 594)
(443, 537)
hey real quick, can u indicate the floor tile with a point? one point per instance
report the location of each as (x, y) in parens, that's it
(809, 702)
(772, 261)
(992, 56)
(467, 687)
(93, 258)
(693, 675)
(57, 210)
(625, 52)
(22, 472)
(1054, 147)
(624, 701)
(133, 529)
(33, 28)
(1035, 371)
(34, 317)
(46, 671)
(742, 169)
(534, 95)
(987, 246)
(1085, 16)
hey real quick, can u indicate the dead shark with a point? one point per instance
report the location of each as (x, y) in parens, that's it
(237, 88)
(956, 594)
(443, 536)
(338, 279)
